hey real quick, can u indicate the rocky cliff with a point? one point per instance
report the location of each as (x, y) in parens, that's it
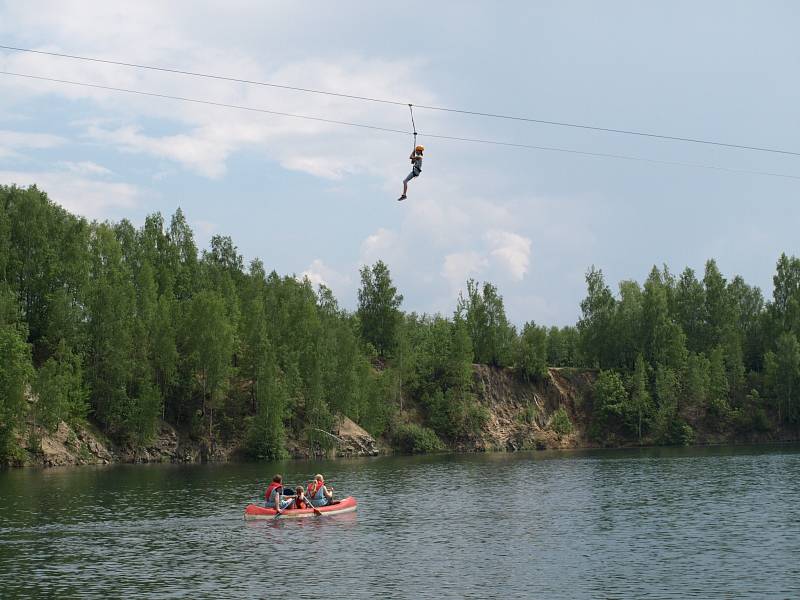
(530, 414)
(522, 415)
(86, 445)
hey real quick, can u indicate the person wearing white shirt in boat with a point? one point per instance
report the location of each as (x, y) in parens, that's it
(318, 492)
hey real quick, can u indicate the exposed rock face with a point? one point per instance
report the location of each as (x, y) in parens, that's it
(353, 440)
(521, 413)
(169, 446)
(163, 448)
(66, 446)
(87, 446)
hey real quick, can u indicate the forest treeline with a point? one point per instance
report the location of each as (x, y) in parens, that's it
(128, 326)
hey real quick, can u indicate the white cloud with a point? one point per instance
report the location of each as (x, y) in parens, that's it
(320, 166)
(532, 307)
(204, 228)
(13, 141)
(460, 266)
(318, 273)
(381, 245)
(199, 151)
(85, 167)
(511, 251)
(86, 197)
(24, 139)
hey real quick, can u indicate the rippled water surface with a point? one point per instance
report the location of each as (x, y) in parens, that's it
(712, 523)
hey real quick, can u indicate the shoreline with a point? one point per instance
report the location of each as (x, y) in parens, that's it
(239, 458)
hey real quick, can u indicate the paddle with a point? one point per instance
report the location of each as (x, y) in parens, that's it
(315, 509)
(280, 511)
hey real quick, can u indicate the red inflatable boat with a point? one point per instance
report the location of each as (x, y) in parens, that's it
(339, 507)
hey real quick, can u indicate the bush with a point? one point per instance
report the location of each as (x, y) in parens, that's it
(718, 413)
(411, 438)
(475, 417)
(751, 417)
(675, 432)
(611, 405)
(560, 422)
(528, 415)
(454, 414)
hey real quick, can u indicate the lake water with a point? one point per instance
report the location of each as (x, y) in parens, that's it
(657, 523)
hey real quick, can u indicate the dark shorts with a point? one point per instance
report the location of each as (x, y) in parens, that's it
(410, 176)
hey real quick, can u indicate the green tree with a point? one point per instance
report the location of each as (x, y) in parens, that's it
(690, 298)
(209, 336)
(379, 308)
(664, 341)
(183, 256)
(266, 436)
(783, 377)
(640, 400)
(164, 351)
(697, 380)
(718, 307)
(628, 325)
(111, 302)
(530, 352)
(718, 408)
(563, 347)
(61, 393)
(483, 313)
(786, 294)
(46, 266)
(156, 249)
(16, 372)
(255, 343)
(670, 428)
(611, 405)
(597, 322)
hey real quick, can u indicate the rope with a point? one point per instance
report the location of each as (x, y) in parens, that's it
(413, 125)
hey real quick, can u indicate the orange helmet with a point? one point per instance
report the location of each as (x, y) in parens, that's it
(420, 148)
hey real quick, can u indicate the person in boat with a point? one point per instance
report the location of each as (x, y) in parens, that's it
(416, 169)
(300, 500)
(273, 497)
(318, 492)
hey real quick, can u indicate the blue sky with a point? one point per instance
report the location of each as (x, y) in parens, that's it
(319, 199)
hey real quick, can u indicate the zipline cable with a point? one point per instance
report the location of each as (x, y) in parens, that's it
(206, 102)
(204, 75)
(657, 161)
(491, 115)
(399, 131)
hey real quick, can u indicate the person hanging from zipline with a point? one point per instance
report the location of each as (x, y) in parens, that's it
(416, 156)
(416, 169)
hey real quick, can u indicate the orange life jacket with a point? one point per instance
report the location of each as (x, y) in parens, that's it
(271, 488)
